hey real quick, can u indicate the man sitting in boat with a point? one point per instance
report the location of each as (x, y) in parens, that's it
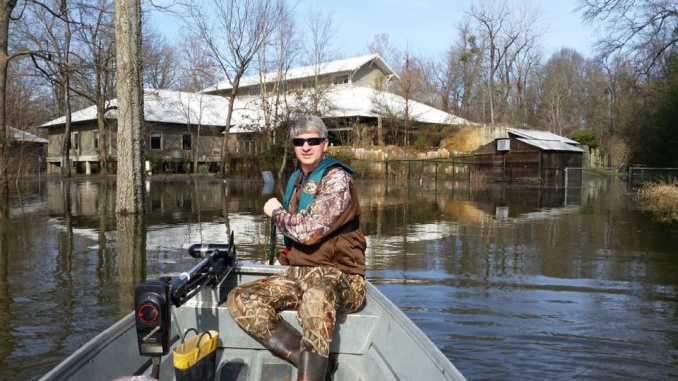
(325, 249)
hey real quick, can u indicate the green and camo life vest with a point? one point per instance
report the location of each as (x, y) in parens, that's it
(309, 188)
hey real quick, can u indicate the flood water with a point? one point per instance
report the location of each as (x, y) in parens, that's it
(511, 283)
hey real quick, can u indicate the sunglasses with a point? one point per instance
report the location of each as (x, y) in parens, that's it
(299, 142)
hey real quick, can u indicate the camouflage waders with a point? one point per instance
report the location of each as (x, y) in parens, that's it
(317, 293)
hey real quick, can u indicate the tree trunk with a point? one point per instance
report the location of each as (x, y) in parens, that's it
(130, 191)
(224, 141)
(65, 74)
(5, 13)
(101, 127)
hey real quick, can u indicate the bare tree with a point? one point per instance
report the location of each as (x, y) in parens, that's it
(492, 20)
(507, 35)
(65, 75)
(562, 92)
(383, 46)
(5, 57)
(461, 73)
(73, 49)
(47, 29)
(275, 59)
(409, 86)
(130, 192)
(95, 75)
(522, 59)
(160, 61)
(197, 68)
(319, 32)
(233, 31)
(643, 29)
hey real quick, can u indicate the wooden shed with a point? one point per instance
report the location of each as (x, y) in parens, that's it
(528, 157)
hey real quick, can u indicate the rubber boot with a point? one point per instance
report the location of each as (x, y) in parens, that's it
(312, 366)
(285, 342)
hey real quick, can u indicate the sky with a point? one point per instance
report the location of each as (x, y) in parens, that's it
(426, 27)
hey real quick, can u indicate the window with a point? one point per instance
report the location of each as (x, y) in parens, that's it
(255, 90)
(95, 139)
(340, 79)
(156, 140)
(75, 141)
(186, 142)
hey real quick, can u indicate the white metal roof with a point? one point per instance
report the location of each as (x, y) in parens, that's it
(351, 101)
(332, 67)
(165, 106)
(176, 107)
(23, 136)
(551, 145)
(539, 135)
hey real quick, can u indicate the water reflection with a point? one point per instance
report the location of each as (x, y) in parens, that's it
(131, 231)
(510, 282)
(6, 337)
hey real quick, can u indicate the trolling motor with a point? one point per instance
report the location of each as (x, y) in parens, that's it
(153, 299)
(153, 316)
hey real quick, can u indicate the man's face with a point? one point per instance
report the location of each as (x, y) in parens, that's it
(310, 150)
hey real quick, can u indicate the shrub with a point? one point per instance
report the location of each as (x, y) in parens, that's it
(156, 161)
(586, 137)
(660, 198)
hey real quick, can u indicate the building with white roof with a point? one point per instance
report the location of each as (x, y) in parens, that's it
(188, 127)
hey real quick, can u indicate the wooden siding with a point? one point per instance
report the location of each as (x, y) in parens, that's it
(524, 162)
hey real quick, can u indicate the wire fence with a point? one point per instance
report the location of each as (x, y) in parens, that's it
(412, 170)
(637, 176)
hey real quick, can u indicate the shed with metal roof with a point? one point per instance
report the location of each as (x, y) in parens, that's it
(528, 156)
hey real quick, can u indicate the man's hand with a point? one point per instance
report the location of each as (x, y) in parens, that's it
(271, 205)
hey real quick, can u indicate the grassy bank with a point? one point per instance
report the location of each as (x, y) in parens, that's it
(660, 198)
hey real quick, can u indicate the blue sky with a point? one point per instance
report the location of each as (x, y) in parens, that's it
(427, 27)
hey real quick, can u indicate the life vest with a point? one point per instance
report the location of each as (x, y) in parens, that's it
(310, 187)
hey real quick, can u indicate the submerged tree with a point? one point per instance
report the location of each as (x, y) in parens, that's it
(5, 57)
(130, 192)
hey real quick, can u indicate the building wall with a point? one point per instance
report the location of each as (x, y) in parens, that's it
(366, 76)
(524, 163)
(206, 142)
(84, 156)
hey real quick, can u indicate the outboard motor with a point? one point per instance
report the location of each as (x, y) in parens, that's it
(153, 299)
(153, 317)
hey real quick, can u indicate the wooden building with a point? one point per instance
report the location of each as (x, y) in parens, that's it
(26, 152)
(525, 156)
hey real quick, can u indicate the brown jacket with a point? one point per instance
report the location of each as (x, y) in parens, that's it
(337, 239)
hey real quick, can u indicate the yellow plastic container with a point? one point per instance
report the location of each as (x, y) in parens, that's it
(195, 359)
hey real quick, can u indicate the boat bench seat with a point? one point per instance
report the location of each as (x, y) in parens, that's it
(352, 333)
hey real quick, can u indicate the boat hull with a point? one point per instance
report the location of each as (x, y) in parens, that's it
(376, 343)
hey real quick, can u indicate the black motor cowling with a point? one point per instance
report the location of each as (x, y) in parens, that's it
(153, 317)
